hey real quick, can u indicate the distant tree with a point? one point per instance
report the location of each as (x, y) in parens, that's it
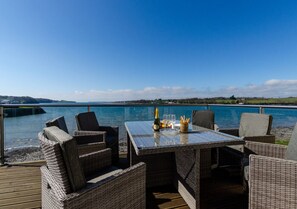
(233, 97)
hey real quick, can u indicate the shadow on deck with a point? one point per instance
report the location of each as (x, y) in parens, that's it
(20, 187)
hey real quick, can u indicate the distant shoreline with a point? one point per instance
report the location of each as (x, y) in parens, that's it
(220, 100)
(22, 111)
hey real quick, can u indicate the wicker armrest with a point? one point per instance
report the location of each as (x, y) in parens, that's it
(48, 179)
(126, 187)
(264, 139)
(272, 182)
(83, 137)
(111, 130)
(90, 147)
(94, 161)
(231, 131)
(265, 149)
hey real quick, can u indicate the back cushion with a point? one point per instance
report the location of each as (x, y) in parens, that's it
(87, 121)
(291, 153)
(203, 118)
(253, 124)
(59, 122)
(70, 155)
(55, 163)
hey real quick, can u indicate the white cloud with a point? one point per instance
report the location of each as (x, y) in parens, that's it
(129, 94)
(275, 82)
(270, 88)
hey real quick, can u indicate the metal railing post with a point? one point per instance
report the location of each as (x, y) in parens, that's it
(1, 136)
(261, 110)
(89, 108)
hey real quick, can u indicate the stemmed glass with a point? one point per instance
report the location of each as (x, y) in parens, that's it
(166, 119)
(172, 119)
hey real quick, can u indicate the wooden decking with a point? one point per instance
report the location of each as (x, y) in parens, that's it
(20, 187)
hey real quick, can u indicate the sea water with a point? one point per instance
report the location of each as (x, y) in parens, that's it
(22, 131)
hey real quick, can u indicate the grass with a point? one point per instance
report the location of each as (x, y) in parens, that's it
(282, 141)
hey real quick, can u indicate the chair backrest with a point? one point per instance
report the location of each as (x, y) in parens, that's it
(254, 124)
(291, 153)
(60, 151)
(87, 121)
(203, 118)
(55, 163)
(59, 122)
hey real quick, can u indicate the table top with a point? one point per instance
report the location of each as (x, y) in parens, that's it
(146, 141)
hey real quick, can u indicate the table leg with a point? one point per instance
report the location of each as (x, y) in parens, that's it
(188, 176)
(197, 178)
(129, 150)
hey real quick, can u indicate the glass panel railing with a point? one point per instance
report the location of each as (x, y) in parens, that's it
(282, 117)
(229, 116)
(21, 130)
(283, 123)
(21, 125)
(117, 116)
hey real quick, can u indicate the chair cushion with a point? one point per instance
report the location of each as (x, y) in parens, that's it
(291, 153)
(203, 118)
(55, 163)
(59, 122)
(245, 165)
(246, 173)
(70, 155)
(87, 121)
(253, 124)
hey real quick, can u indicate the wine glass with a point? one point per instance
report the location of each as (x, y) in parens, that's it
(165, 119)
(172, 119)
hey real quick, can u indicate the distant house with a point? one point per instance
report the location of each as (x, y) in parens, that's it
(5, 101)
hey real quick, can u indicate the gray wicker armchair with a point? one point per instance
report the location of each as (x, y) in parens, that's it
(87, 181)
(87, 121)
(87, 142)
(272, 174)
(253, 127)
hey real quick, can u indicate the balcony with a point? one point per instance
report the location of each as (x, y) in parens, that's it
(21, 181)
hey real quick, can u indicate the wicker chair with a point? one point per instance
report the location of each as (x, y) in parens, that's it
(272, 174)
(253, 127)
(87, 121)
(87, 142)
(205, 118)
(87, 181)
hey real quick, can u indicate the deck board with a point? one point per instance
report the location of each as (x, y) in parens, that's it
(20, 187)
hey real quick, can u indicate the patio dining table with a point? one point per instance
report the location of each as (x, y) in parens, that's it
(174, 157)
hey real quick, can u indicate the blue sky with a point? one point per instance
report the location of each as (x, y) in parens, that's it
(112, 50)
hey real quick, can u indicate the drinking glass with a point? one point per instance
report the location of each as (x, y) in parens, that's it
(172, 119)
(165, 119)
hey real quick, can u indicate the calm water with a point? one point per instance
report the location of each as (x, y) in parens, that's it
(22, 131)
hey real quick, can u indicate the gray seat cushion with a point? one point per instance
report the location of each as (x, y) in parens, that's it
(245, 165)
(246, 173)
(253, 124)
(291, 153)
(70, 155)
